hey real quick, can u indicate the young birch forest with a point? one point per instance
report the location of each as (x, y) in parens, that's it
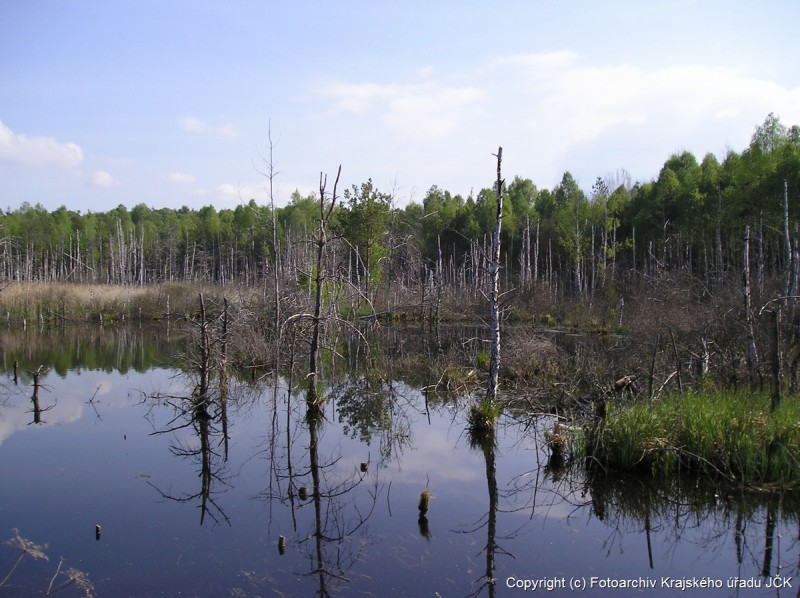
(688, 266)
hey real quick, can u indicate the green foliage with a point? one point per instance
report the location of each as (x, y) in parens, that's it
(692, 212)
(364, 224)
(724, 434)
(481, 422)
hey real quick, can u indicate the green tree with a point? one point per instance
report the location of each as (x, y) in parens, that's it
(364, 225)
(440, 210)
(571, 220)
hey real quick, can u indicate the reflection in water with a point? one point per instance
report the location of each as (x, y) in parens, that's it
(72, 349)
(337, 537)
(199, 414)
(422, 522)
(489, 450)
(37, 408)
(345, 530)
(205, 411)
(713, 516)
(338, 518)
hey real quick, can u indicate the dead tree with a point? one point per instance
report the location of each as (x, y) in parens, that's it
(494, 287)
(751, 355)
(319, 279)
(787, 243)
(775, 369)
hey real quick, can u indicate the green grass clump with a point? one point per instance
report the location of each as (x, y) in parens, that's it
(482, 360)
(727, 434)
(481, 422)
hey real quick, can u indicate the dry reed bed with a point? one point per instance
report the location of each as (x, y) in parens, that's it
(30, 302)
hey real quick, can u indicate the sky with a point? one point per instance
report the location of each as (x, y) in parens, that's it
(173, 103)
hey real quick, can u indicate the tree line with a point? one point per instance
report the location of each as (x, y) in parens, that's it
(690, 218)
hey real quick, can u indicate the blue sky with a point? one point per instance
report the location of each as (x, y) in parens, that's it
(169, 103)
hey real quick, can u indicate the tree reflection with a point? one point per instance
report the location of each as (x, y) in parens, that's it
(327, 486)
(204, 418)
(484, 439)
(489, 451)
(719, 515)
(204, 412)
(37, 407)
(370, 406)
(334, 521)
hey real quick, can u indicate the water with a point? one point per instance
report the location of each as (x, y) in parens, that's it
(118, 447)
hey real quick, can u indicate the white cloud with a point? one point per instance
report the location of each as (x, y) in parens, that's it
(551, 111)
(575, 112)
(37, 151)
(423, 111)
(227, 131)
(101, 178)
(232, 195)
(180, 177)
(541, 60)
(191, 124)
(241, 193)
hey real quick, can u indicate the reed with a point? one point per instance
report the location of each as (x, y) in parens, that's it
(725, 434)
(31, 303)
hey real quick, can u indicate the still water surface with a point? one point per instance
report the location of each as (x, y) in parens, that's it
(118, 447)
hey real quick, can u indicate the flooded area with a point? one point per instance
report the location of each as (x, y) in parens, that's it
(251, 496)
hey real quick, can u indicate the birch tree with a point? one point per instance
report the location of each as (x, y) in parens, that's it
(494, 286)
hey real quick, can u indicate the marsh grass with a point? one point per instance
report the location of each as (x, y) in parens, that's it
(481, 421)
(725, 434)
(63, 302)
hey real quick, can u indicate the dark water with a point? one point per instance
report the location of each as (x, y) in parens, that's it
(120, 446)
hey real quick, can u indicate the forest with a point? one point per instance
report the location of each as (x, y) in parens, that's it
(574, 241)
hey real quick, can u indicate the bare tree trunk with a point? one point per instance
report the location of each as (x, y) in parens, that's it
(795, 264)
(494, 288)
(775, 389)
(787, 241)
(439, 266)
(751, 356)
(719, 257)
(319, 278)
(276, 279)
(760, 275)
(536, 255)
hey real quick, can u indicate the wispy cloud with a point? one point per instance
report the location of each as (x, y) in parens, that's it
(101, 178)
(552, 111)
(180, 177)
(227, 131)
(244, 192)
(572, 108)
(37, 151)
(234, 194)
(428, 110)
(559, 84)
(192, 124)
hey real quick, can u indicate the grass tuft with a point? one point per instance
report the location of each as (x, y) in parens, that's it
(726, 434)
(481, 424)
